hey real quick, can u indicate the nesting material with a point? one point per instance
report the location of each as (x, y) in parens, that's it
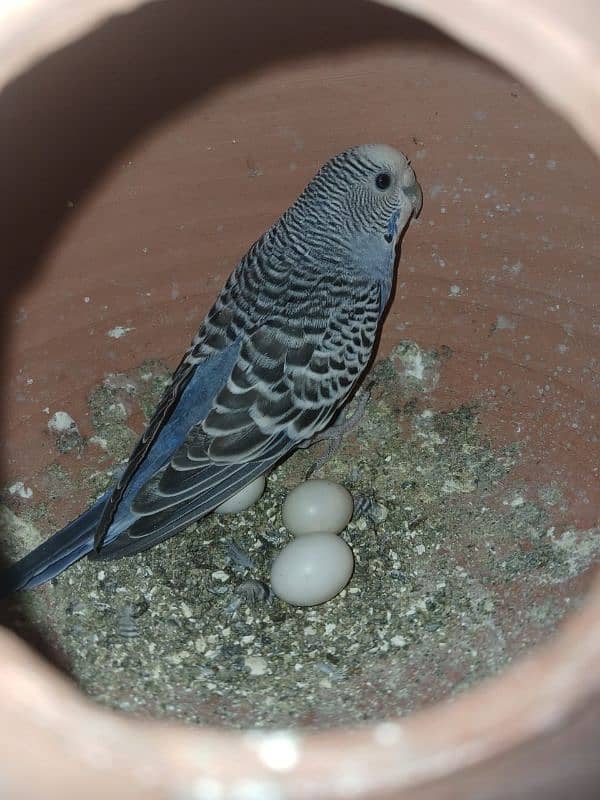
(245, 498)
(317, 506)
(312, 569)
(454, 577)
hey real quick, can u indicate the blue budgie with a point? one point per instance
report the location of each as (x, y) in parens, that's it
(275, 358)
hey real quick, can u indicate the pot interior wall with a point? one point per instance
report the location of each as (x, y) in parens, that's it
(480, 449)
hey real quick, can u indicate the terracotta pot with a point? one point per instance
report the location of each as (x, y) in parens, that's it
(143, 152)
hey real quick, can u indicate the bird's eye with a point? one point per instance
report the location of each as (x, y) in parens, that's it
(383, 180)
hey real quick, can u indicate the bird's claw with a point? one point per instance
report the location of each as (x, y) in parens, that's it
(335, 433)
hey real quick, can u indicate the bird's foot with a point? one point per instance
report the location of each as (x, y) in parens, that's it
(335, 433)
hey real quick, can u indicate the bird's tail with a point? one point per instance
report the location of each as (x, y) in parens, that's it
(55, 554)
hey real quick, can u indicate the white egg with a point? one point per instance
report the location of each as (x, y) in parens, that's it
(245, 498)
(312, 569)
(317, 507)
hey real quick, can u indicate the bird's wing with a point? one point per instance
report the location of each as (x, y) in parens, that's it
(217, 336)
(291, 375)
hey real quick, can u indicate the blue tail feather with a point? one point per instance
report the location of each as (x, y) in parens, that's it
(54, 555)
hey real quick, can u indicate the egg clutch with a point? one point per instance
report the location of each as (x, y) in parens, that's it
(317, 564)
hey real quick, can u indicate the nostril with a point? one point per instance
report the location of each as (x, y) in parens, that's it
(408, 177)
(415, 195)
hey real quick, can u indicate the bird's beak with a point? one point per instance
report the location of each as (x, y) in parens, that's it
(415, 195)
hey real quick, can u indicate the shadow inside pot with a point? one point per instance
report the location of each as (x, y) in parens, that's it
(67, 118)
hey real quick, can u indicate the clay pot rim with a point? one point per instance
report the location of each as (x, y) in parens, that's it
(553, 681)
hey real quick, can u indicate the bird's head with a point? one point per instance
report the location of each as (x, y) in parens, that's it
(360, 202)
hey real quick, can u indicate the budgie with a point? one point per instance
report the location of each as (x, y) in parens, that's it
(274, 360)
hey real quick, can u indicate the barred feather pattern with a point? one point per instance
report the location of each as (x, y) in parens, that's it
(293, 372)
(304, 315)
(275, 358)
